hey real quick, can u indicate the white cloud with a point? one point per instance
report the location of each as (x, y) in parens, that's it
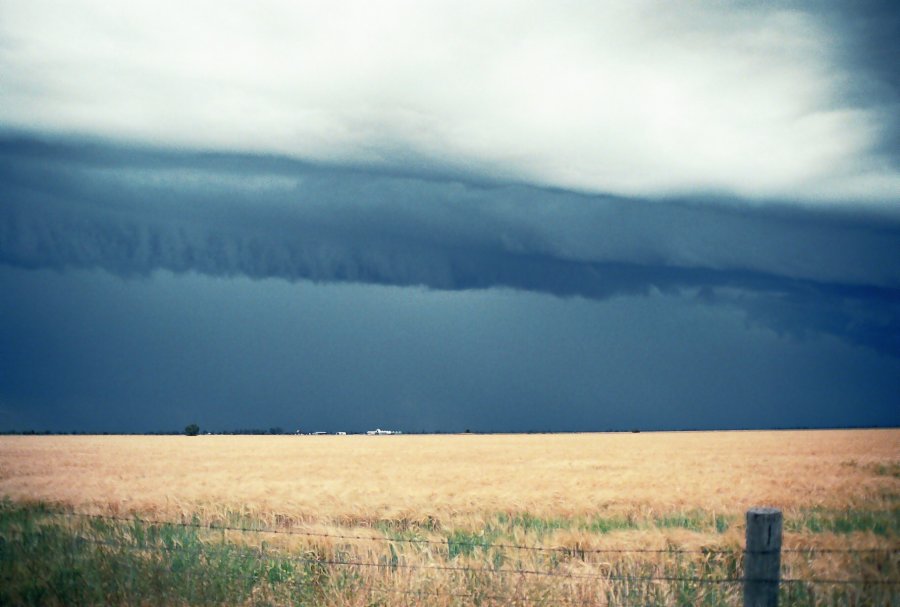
(635, 98)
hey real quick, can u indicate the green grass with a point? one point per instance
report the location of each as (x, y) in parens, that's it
(507, 526)
(48, 557)
(534, 524)
(45, 561)
(694, 520)
(884, 523)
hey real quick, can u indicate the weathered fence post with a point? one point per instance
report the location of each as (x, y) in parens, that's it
(762, 557)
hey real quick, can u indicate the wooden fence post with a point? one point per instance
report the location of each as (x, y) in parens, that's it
(762, 557)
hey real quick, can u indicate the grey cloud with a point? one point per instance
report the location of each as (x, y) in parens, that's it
(865, 317)
(865, 41)
(643, 99)
(85, 350)
(132, 212)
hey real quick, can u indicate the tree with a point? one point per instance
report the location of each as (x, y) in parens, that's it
(192, 430)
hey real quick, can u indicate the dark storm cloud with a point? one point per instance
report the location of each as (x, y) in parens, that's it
(132, 211)
(83, 349)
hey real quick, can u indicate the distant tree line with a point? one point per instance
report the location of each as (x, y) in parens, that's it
(278, 430)
(247, 431)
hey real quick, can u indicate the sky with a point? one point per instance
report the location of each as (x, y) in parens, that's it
(439, 216)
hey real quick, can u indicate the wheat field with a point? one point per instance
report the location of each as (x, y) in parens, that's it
(685, 490)
(364, 478)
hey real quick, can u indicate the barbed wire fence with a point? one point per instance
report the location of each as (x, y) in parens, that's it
(445, 542)
(758, 590)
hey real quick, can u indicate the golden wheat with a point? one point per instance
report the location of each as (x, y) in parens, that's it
(359, 478)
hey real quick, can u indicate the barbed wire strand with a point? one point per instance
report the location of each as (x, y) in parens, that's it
(483, 545)
(506, 599)
(413, 567)
(444, 542)
(521, 572)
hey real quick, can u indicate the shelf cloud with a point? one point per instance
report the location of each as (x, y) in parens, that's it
(132, 212)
